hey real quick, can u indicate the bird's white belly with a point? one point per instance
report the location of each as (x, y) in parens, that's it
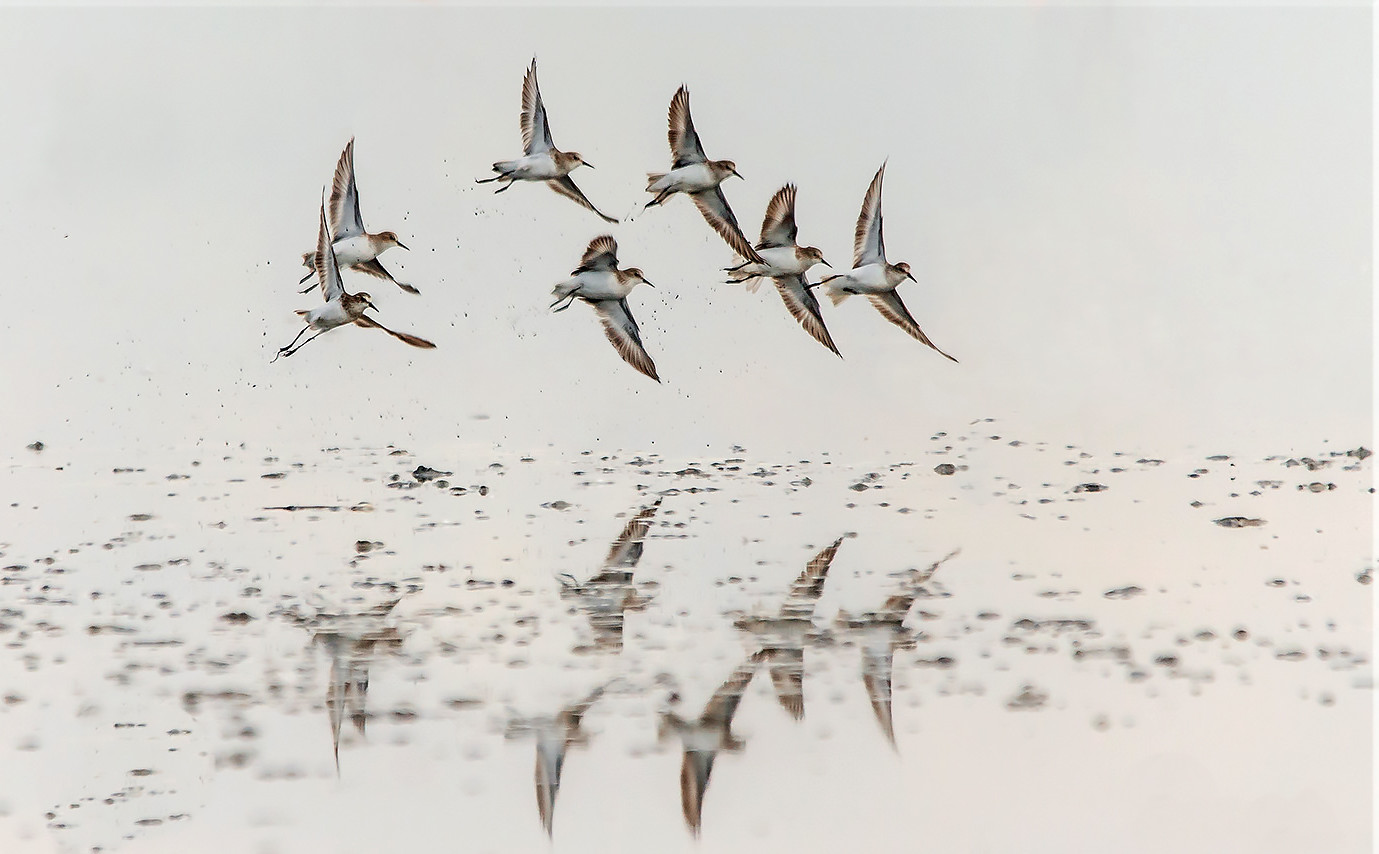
(601, 285)
(869, 278)
(691, 179)
(328, 315)
(537, 167)
(353, 250)
(780, 261)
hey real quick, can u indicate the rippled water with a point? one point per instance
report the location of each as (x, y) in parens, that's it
(363, 650)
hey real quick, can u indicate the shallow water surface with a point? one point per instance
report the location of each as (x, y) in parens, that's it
(998, 645)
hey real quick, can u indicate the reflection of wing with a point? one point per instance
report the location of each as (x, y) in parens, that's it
(565, 186)
(876, 676)
(714, 206)
(600, 254)
(891, 308)
(684, 142)
(326, 269)
(868, 247)
(365, 320)
(723, 704)
(810, 585)
(787, 676)
(622, 332)
(626, 549)
(778, 226)
(800, 302)
(694, 781)
(344, 198)
(898, 606)
(536, 133)
(374, 268)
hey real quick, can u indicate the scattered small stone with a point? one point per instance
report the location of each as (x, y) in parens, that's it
(236, 617)
(557, 505)
(425, 473)
(1123, 592)
(1029, 698)
(1239, 522)
(1089, 487)
(945, 468)
(35, 446)
(140, 517)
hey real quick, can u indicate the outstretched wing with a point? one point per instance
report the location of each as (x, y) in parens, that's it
(374, 268)
(344, 197)
(714, 206)
(800, 302)
(810, 585)
(365, 320)
(327, 270)
(600, 254)
(622, 332)
(891, 308)
(684, 142)
(867, 244)
(778, 227)
(536, 132)
(565, 186)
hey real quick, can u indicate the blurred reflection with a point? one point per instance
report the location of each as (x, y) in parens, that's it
(554, 736)
(704, 736)
(782, 638)
(608, 596)
(354, 642)
(880, 634)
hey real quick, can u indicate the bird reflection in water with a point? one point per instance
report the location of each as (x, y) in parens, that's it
(608, 596)
(782, 638)
(554, 736)
(703, 737)
(880, 634)
(354, 642)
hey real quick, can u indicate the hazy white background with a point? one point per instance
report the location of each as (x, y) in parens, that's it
(1141, 228)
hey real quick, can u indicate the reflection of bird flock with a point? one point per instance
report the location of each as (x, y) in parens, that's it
(598, 280)
(779, 641)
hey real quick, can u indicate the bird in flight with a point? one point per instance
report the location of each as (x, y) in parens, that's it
(541, 160)
(873, 276)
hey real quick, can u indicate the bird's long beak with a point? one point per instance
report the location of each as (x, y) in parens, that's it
(587, 163)
(826, 264)
(403, 245)
(912, 278)
(372, 306)
(738, 174)
(648, 284)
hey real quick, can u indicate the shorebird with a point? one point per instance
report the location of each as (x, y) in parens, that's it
(702, 738)
(608, 596)
(784, 637)
(541, 160)
(554, 736)
(786, 263)
(882, 633)
(354, 247)
(340, 308)
(698, 176)
(598, 281)
(871, 274)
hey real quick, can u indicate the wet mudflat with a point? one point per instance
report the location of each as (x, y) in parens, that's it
(997, 644)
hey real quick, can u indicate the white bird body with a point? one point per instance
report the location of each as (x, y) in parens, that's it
(866, 279)
(597, 285)
(540, 166)
(686, 179)
(780, 261)
(357, 249)
(332, 314)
